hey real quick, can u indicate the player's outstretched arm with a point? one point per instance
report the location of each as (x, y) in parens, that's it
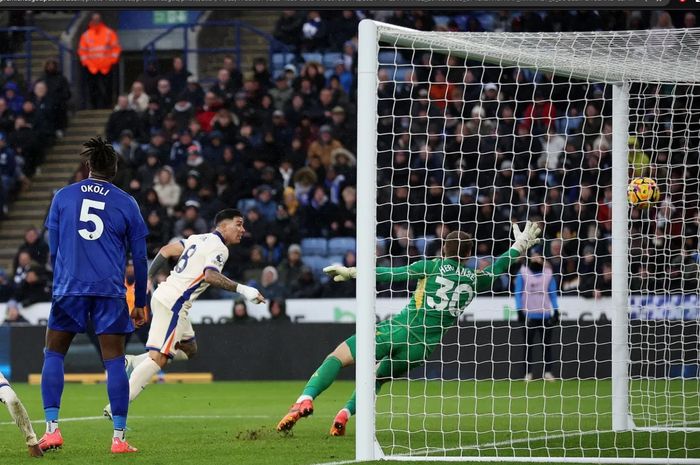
(415, 270)
(164, 254)
(523, 240)
(215, 278)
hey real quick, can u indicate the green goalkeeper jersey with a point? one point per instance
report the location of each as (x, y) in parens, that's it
(445, 289)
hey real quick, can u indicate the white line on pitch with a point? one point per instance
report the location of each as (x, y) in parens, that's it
(344, 462)
(160, 417)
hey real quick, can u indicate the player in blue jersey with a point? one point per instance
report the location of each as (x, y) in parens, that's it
(91, 224)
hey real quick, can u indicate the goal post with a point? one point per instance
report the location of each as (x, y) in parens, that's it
(438, 153)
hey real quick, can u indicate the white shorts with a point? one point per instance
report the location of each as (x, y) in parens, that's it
(167, 328)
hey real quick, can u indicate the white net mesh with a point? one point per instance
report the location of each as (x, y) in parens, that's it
(476, 131)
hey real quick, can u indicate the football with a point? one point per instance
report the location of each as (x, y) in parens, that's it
(643, 192)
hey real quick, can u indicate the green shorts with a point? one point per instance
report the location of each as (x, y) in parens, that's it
(395, 344)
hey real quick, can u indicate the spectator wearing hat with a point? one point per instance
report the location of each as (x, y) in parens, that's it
(282, 92)
(193, 92)
(306, 286)
(183, 112)
(242, 110)
(138, 99)
(122, 118)
(152, 118)
(13, 314)
(323, 146)
(240, 313)
(190, 219)
(191, 182)
(127, 147)
(13, 96)
(213, 149)
(290, 268)
(537, 305)
(180, 150)
(269, 282)
(265, 203)
(167, 189)
(147, 172)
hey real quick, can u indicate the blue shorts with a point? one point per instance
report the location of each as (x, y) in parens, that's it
(109, 315)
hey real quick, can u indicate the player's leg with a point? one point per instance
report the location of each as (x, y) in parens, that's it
(167, 329)
(530, 338)
(112, 324)
(547, 332)
(19, 415)
(394, 359)
(68, 316)
(323, 377)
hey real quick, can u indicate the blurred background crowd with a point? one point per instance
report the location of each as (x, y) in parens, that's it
(461, 145)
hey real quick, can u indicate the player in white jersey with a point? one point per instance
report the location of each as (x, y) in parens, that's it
(19, 414)
(202, 256)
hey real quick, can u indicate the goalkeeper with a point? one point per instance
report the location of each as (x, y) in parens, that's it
(445, 288)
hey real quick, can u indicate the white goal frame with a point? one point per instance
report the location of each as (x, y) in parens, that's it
(646, 67)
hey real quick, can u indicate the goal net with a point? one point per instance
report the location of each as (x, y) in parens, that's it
(477, 131)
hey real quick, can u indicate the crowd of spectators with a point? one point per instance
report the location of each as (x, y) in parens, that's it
(461, 145)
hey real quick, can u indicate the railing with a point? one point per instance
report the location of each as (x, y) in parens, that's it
(27, 53)
(149, 50)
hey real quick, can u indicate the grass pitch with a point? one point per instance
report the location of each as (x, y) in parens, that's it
(225, 423)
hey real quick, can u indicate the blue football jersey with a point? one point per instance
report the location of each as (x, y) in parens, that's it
(96, 221)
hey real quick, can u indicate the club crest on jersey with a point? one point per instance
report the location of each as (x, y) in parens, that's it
(92, 188)
(220, 259)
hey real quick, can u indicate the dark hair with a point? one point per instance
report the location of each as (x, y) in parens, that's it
(458, 244)
(227, 214)
(100, 157)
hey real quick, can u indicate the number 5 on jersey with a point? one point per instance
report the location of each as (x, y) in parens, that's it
(87, 217)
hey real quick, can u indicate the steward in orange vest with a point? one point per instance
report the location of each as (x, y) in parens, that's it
(99, 51)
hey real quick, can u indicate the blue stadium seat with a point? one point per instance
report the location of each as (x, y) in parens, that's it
(333, 259)
(279, 60)
(317, 263)
(317, 57)
(330, 58)
(244, 205)
(314, 246)
(340, 245)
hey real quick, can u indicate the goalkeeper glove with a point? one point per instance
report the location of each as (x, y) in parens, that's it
(340, 273)
(250, 293)
(526, 238)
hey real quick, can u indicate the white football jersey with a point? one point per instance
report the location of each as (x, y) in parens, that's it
(186, 281)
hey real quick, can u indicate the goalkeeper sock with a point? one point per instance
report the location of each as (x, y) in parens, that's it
(117, 390)
(141, 376)
(52, 387)
(323, 377)
(350, 405)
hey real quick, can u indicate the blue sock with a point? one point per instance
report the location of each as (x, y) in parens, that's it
(52, 384)
(118, 390)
